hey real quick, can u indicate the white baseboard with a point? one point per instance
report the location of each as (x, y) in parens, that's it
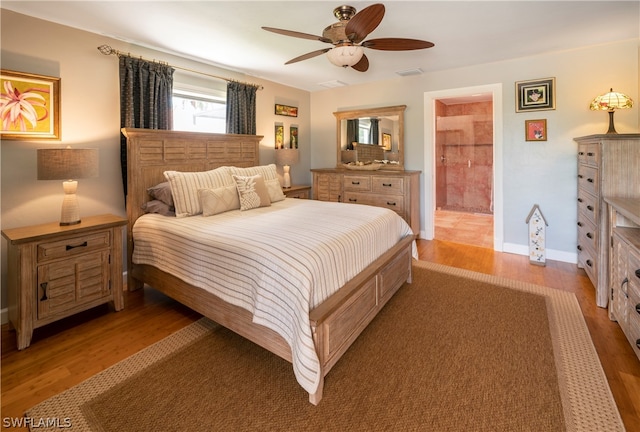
(552, 254)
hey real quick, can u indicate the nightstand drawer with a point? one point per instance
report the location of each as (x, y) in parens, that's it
(72, 246)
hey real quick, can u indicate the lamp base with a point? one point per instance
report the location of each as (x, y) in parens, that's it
(70, 214)
(612, 129)
(287, 177)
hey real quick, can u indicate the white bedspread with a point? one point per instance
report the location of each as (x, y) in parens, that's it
(277, 262)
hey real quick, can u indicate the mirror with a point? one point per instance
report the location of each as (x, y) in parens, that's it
(374, 135)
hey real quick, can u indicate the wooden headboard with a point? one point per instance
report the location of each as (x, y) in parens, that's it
(151, 152)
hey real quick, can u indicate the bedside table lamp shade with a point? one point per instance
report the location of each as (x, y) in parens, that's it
(284, 158)
(68, 164)
(610, 102)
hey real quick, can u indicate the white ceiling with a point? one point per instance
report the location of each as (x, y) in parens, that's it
(228, 33)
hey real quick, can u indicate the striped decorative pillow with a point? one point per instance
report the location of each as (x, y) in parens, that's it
(270, 176)
(185, 186)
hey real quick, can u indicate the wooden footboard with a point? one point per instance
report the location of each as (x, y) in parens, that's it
(336, 323)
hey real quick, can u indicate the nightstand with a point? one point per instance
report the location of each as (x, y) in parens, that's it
(298, 191)
(56, 271)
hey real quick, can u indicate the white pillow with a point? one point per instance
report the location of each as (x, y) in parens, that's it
(252, 192)
(219, 200)
(185, 186)
(270, 176)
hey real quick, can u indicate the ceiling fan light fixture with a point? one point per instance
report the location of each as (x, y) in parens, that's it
(345, 55)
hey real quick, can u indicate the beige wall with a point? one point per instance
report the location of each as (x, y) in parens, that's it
(90, 116)
(541, 173)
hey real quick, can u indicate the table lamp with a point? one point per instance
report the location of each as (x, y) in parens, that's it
(68, 164)
(284, 158)
(610, 102)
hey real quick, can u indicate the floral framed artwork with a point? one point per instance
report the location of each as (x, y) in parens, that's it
(535, 130)
(386, 141)
(30, 106)
(279, 136)
(536, 95)
(293, 136)
(286, 110)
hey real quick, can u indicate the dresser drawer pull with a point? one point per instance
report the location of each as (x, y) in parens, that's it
(638, 273)
(590, 208)
(590, 180)
(387, 184)
(638, 343)
(355, 183)
(579, 247)
(591, 154)
(353, 200)
(391, 203)
(580, 153)
(579, 224)
(590, 263)
(590, 235)
(580, 176)
(69, 247)
(579, 199)
(624, 282)
(638, 308)
(44, 291)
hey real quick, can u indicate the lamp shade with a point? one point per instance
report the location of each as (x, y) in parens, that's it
(286, 156)
(345, 55)
(67, 163)
(611, 101)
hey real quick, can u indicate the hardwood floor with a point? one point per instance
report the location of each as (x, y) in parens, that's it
(66, 353)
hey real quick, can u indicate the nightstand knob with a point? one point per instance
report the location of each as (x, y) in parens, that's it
(44, 291)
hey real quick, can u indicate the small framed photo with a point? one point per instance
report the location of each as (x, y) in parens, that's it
(536, 95)
(30, 106)
(279, 135)
(535, 130)
(386, 141)
(286, 110)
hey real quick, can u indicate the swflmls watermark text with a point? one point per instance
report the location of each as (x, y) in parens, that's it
(36, 422)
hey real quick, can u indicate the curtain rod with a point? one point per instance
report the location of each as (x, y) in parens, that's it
(107, 50)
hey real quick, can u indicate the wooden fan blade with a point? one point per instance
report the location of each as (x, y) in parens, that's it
(362, 65)
(396, 44)
(296, 34)
(308, 56)
(364, 22)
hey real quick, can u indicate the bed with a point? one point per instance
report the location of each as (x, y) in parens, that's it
(331, 308)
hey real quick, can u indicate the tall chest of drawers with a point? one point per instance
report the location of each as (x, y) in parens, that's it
(395, 190)
(608, 166)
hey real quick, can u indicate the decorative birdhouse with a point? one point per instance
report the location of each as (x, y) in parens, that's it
(537, 234)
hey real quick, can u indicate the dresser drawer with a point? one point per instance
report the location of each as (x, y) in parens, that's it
(392, 202)
(72, 246)
(357, 183)
(588, 179)
(587, 206)
(587, 234)
(388, 185)
(634, 278)
(589, 154)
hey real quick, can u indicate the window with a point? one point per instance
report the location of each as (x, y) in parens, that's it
(198, 112)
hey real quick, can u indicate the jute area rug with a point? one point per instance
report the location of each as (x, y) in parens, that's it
(453, 351)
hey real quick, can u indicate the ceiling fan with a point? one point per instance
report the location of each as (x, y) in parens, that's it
(347, 37)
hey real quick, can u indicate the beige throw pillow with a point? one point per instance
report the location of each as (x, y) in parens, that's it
(270, 176)
(252, 192)
(185, 186)
(219, 200)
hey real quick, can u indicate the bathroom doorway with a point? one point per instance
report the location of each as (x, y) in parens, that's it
(464, 169)
(463, 143)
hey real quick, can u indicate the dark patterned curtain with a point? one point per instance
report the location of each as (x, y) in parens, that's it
(145, 100)
(374, 132)
(241, 108)
(353, 129)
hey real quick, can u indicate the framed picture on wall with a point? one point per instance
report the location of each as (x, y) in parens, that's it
(293, 136)
(279, 135)
(536, 95)
(535, 130)
(30, 106)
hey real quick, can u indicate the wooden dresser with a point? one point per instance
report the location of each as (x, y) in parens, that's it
(395, 190)
(608, 165)
(624, 301)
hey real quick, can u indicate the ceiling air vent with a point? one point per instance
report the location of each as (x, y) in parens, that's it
(409, 72)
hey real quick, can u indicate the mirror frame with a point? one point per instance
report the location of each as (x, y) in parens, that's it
(373, 112)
